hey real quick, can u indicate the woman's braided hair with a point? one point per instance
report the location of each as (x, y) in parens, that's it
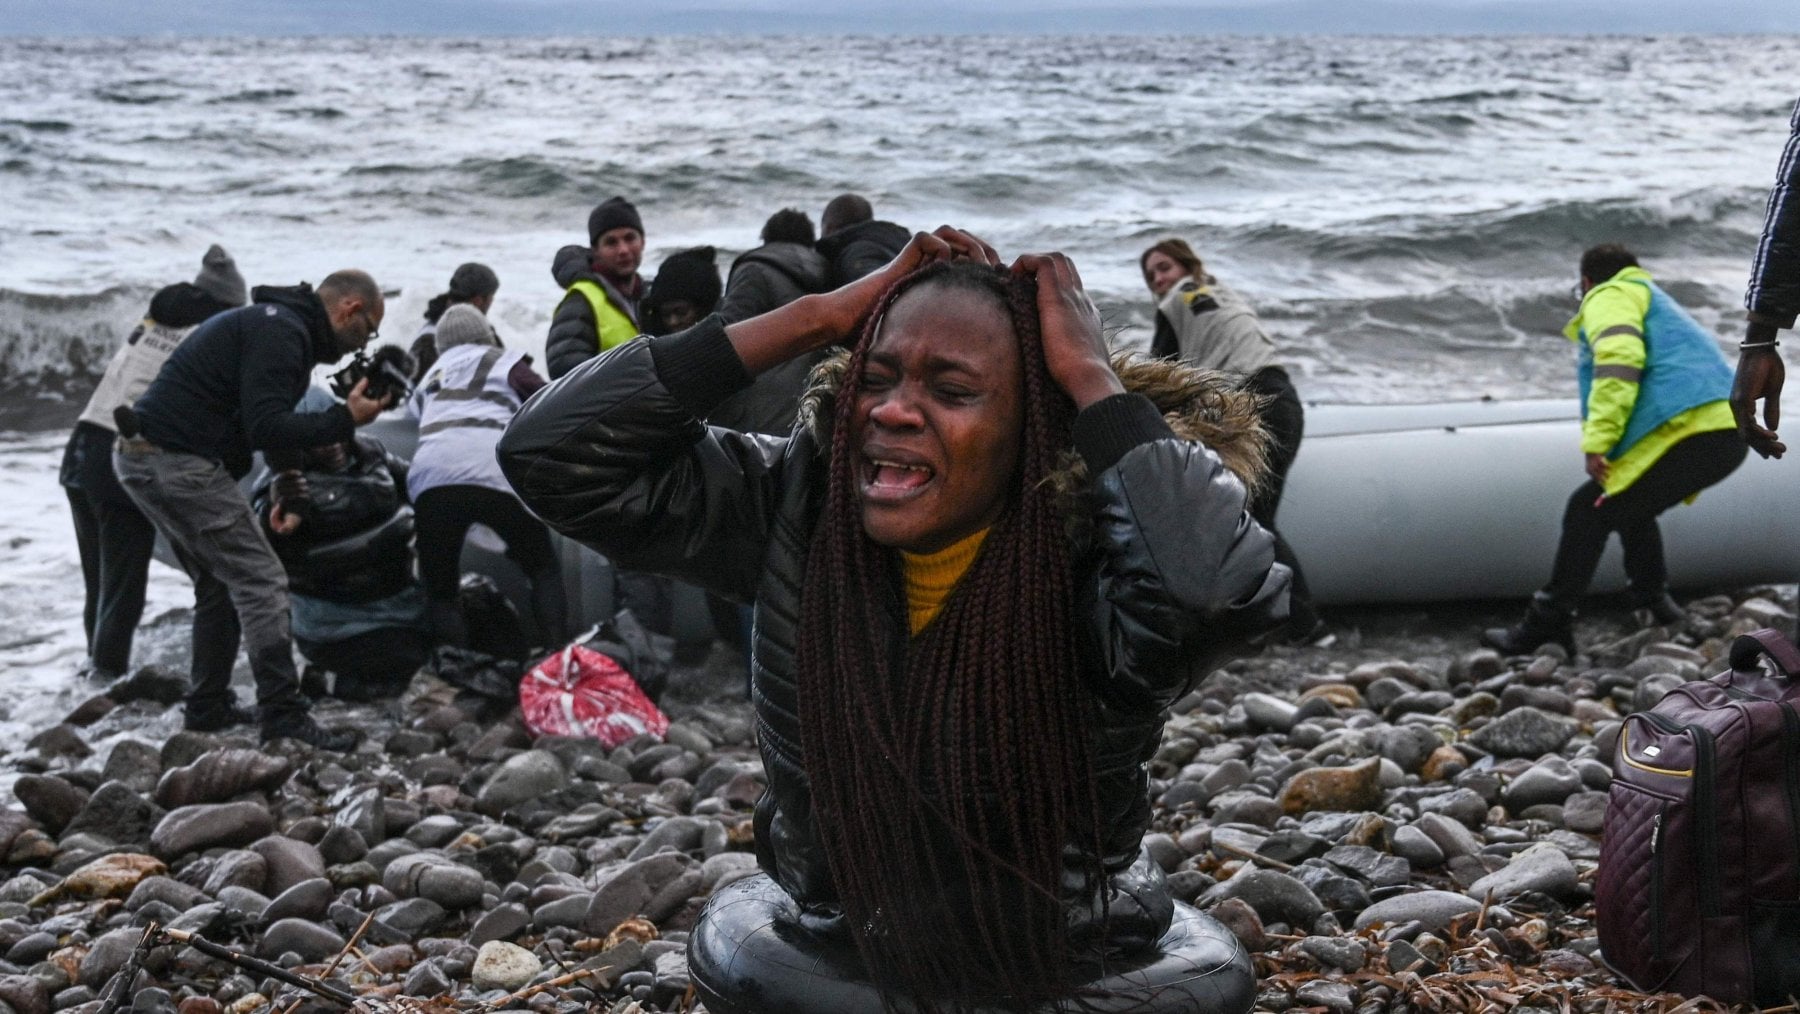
(949, 771)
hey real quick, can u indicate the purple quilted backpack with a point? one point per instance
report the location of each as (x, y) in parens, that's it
(1698, 891)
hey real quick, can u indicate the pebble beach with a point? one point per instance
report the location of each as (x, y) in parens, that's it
(1382, 831)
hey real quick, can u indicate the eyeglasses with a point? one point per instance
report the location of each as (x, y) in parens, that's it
(369, 319)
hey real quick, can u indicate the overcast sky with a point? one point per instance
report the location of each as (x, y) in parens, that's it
(644, 17)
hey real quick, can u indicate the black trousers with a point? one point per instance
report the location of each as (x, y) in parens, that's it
(115, 541)
(1285, 419)
(443, 516)
(370, 665)
(1687, 468)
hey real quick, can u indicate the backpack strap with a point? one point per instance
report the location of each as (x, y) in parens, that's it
(1749, 647)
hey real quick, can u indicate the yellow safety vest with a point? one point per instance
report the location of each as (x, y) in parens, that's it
(612, 325)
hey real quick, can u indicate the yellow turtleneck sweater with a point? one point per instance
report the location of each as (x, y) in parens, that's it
(931, 577)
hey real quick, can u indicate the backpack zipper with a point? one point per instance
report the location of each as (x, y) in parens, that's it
(1790, 749)
(1656, 884)
(1705, 809)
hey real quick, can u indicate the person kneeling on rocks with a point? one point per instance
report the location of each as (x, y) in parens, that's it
(359, 609)
(981, 571)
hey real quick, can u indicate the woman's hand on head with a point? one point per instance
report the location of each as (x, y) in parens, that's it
(1074, 350)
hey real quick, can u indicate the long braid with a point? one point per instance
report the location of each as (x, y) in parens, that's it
(948, 780)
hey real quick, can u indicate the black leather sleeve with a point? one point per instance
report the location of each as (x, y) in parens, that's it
(612, 457)
(1183, 570)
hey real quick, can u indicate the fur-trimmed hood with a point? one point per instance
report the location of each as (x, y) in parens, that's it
(1202, 405)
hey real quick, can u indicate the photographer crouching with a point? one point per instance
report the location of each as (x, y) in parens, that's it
(229, 391)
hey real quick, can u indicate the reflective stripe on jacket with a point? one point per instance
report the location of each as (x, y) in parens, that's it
(463, 404)
(1649, 375)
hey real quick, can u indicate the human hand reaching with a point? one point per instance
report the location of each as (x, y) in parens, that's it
(1074, 349)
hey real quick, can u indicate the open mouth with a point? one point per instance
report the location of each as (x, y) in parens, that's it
(886, 480)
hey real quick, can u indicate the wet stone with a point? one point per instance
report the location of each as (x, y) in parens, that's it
(134, 764)
(1338, 997)
(116, 812)
(1379, 869)
(502, 922)
(193, 828)
(1276, 897)
(49, 800)
(310, 940)
(1345, 954)
(1431, 909)
(308, 899)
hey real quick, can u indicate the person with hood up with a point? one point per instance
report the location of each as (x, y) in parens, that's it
(1210, 327)
(228, 391)
(471, 283)
(685, 289)
(114, 538)
(767, 278)
(855, 242)
(982, 572)
(601, 284)
(463, 403)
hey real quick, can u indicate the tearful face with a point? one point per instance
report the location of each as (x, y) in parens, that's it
(938, 418)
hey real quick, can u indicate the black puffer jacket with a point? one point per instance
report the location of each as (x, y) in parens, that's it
(767, 278)
(614, 455)
(858, 250)
(573, 336)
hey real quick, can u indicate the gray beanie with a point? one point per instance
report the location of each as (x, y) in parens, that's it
(219, 277)
(462, 324)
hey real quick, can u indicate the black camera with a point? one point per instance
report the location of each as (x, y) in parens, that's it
(389, 372)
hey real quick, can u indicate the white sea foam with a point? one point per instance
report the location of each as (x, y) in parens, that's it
(1406, 211)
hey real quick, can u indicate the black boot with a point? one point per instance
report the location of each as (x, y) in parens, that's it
(1661, 611)
(1545, 622)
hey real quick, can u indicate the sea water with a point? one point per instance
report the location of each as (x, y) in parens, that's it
(1406, 213)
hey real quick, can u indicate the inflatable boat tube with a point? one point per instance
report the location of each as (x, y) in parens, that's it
(1464, 500)
(748, 955)
(1408, 503)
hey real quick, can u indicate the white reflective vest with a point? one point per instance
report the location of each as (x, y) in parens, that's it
(131, 370)
(463, 404)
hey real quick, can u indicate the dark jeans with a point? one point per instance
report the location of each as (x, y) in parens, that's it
(370, 665)
(1685, 469)
(443, 516)
(240, 587)
(1285, 420)
(115, 541)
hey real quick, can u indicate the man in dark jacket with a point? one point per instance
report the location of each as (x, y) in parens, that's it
(855, 244)
(115, 539)
(601, 286)
(1773, 300)
(229, 391)
(773, 275)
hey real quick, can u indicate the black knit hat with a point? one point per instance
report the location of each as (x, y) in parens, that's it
(613, 213)
(691, 275)
(472, 281)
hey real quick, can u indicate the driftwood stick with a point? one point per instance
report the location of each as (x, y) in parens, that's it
(1260, 860)
(248, 963)
(349, 945)
(120, 988)
(556, 983)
